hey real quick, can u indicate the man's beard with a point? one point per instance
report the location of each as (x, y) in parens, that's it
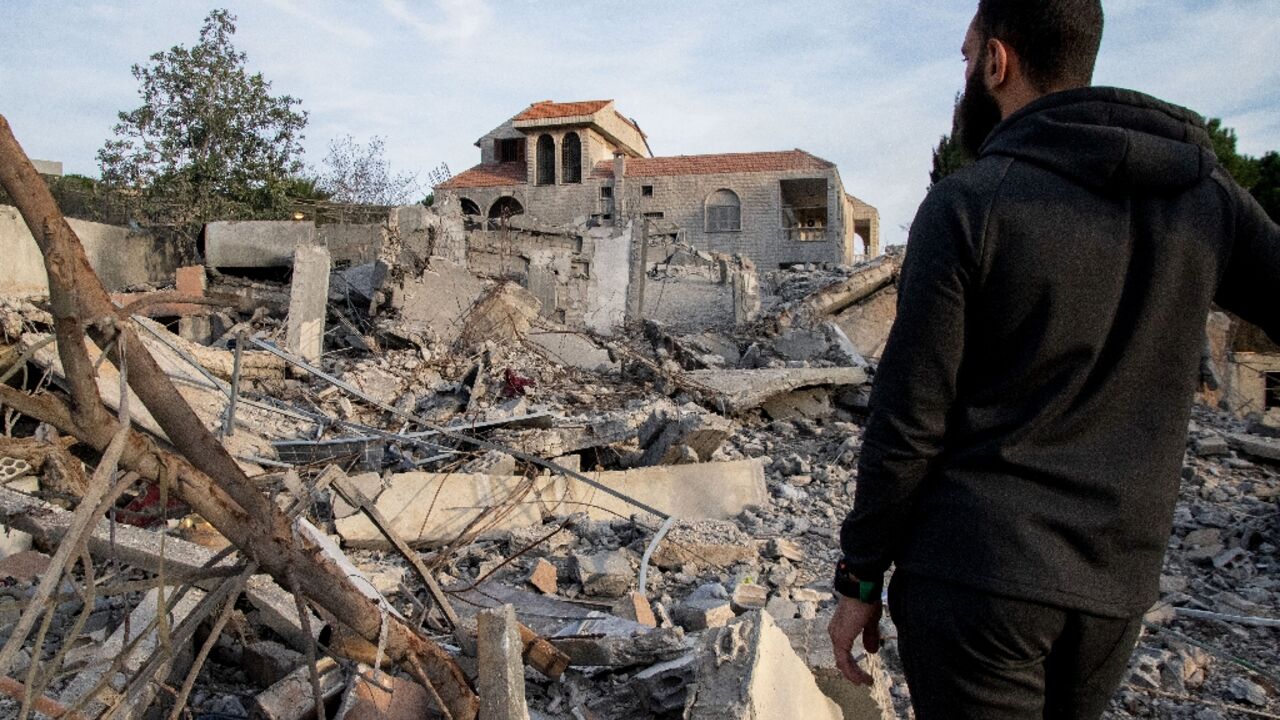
(978, 112)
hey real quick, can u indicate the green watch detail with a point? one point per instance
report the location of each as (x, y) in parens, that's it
(847, 584)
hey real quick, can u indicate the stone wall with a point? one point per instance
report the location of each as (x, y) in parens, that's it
(120, 256)
(680, 199)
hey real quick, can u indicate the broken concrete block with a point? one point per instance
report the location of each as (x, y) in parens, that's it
(663, 688)
(809, 639)
(719, 543)
(703, 613)
(503, 315)
(666, 437)
(813, 403)
(435, 302)
(634, 606)
(736, 391)
(427, 508)
(781, 608)
(144, 645)
(255, 243)
(623, 650)
(749, 596)
(795, 344)
(571, 349)
(501, 670)
(747, 670)
(268, 662)
(543, 576)
(716, 490)
(1211, 445)
(778, 548)
(291, 697)
(308, 302)
(1256, 446)
(607, 574)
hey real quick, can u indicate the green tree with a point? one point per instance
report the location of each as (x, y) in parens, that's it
(950, 155)
(1242, 167)
(1267, 187)
(209, 139)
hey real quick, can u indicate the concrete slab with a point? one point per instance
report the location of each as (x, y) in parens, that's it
(120, 256)
(308, 302)
(572, 349)
(431, 508)
(503, 315)
(437, 301)
(255, 243)
(735, 391)
(747, 670)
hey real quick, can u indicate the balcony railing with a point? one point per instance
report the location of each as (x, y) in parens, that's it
(806, 234)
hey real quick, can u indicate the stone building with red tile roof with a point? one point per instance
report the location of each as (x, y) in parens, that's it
(584, 162)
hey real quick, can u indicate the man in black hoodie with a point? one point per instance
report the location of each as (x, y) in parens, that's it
(1029, 415)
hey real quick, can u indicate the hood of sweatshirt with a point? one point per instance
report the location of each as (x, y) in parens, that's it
(1108, 139)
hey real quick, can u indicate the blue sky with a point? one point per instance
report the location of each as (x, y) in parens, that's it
(867, 84)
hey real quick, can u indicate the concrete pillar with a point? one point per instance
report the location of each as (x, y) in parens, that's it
(308, 299)
(501, 671)
(191, 280)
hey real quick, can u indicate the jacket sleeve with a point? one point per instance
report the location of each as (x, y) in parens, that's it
(1252, 273)
(915, 384)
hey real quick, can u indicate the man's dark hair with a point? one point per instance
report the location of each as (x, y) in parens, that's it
(1057, 39)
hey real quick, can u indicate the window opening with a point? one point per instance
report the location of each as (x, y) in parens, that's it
(546, 160)
(646, 190)
(724, 211)
(571, 159)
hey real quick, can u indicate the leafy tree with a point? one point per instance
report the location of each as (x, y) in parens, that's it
(950, 155)
(361, 175)
(1267, 188)
(209, 139)
(1242, 167)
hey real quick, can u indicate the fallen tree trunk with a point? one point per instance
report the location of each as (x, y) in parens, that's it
(207, 477)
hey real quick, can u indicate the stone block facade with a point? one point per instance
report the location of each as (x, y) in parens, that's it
(566, 164)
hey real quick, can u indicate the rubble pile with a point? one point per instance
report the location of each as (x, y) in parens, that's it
(640, 524)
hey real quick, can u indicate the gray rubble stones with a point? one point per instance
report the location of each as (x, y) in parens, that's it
(703, 613)
(783, 548)
(604, 574)
(1211, 445)
(663, 688)
(749, 596)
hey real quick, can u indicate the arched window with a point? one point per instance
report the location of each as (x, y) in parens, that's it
(503, 208)
(469, 206)
(571, 158)
(546, 161)
(724, 211)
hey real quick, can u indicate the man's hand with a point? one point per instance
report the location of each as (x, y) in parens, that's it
(854, 618)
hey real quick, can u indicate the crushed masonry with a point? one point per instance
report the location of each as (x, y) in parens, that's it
(527, 470)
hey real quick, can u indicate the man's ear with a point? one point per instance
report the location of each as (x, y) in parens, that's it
(997, 66)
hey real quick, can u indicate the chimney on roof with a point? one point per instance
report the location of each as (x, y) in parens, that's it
(619, 172)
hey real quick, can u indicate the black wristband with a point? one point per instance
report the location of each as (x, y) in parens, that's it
(849, 585)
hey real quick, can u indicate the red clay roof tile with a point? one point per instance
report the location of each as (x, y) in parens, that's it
(716, 164)
(488, 175)
(547, 109)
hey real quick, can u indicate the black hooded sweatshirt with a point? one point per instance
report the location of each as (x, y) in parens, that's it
(1030, 411)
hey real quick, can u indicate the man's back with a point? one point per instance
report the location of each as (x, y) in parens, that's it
(1036, 390)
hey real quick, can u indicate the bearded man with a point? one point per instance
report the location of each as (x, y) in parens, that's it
(1029, 415)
